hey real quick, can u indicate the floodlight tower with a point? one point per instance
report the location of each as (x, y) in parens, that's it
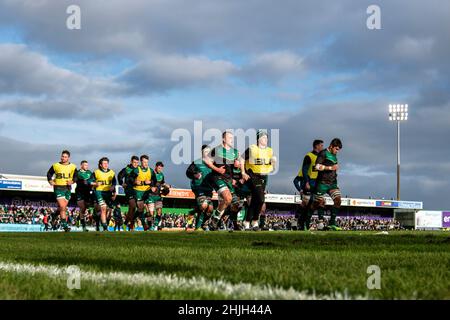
(398, 113)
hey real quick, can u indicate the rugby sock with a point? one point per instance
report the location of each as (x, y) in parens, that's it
(157, 219)
(247, 224)
(301, 218)
(199, 223)
(142, 218)
(308, 219)
(218, 213)
(104, 226)
(334, 212)
(83, 223)
(262, 221)
(64, 223)
(320, 212)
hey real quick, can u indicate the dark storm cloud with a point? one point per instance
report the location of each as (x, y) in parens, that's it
(272, 67)
(35, 159)
(26, 72)
(163, 73)
(140, 26)
(51, 92)
(88, 109)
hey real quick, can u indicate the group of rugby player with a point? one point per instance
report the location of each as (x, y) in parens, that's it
(143, 187)
(316, 178)
(239, 180)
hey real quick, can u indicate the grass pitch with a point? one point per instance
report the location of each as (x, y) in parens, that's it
(219, 265)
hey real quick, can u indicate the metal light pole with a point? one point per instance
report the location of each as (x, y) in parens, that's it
(398, 113)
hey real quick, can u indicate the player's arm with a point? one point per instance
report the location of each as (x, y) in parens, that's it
(94, 180)
(210, 163)
(298, 183)
(242, 160)
(305, 168)
(320, 163)
(91, 180)
(75, 177)
(192, 171)
(121, 176)
(154, 182)
(113, 184)
(132, 177)
(50, 174)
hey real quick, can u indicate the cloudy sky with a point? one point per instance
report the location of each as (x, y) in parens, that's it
(138, 70)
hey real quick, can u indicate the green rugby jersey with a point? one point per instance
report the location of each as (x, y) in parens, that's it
(159, 178)
(84, 180)
(124, 176)
(225, 158)
(203, 184)
(326, 158)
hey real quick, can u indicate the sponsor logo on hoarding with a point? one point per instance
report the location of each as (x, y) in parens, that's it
(362, 202)
(11, 184)
(410, 205)
(280, 198)
(36, 186)
(35, 203)
(445, 219)
(6, 227)
(181, 193)
(391, 204)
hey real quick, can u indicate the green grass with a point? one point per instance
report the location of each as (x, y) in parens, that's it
(414, 265)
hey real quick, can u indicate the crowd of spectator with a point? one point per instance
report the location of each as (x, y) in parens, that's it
(48, 217)
(290, 222)
(20, 215)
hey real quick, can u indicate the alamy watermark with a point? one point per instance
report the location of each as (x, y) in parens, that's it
(374, 279)
(189, 143)
(73, 21)
(373, 22)
(73, 278)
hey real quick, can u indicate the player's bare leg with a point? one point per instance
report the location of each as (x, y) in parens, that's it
(335, 194)
(225, 199)
(62, 207)
(103, 216)
(129, 219)
(319, 205)
(82, 205)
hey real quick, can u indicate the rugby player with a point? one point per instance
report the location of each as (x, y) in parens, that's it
(155, 200)
(143, 182)
(104, 190)
(258, 162)
(83, 190)
(200, 175)
(61, 176)
(223, 160)
(326, 183)
(243, 193)
(127, 185)
(305, 183)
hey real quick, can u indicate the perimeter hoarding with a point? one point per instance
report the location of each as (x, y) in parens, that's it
(428, 220)
(446, 219)
(11, 184)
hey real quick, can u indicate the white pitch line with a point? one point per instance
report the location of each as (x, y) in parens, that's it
(173, 282)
